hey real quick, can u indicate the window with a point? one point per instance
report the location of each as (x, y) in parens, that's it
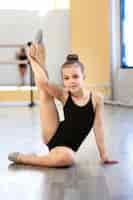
(41, 5)
(62, 4)
(26, 5)
(126, 16)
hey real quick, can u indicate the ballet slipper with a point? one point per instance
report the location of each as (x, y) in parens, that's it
(13, 156)
(39, 37)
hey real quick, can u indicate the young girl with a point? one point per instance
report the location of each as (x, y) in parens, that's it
(82, 111)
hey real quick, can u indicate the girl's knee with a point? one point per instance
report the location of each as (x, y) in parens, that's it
(64, 155)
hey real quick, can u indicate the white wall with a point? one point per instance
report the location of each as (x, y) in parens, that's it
(122, 79)
(56, 27)
(21, 26)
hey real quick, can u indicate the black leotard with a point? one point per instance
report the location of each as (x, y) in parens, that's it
(76, 126)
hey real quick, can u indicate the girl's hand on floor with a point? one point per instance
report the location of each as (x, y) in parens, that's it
(107, 161)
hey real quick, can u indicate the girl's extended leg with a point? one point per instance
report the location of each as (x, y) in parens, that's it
(49, 117)
(57, 157)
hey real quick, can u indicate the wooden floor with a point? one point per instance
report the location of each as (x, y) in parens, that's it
(86, 180)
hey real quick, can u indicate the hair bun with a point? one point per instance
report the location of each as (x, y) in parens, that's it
(72, 57)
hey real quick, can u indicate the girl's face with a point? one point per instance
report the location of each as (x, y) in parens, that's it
(73, 78)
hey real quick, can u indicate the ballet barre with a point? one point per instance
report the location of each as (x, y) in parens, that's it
(39, 39)
(15, 45)
(18, 62)
(11, 45)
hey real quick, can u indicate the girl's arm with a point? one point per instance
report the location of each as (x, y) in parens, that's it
(99, 131)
